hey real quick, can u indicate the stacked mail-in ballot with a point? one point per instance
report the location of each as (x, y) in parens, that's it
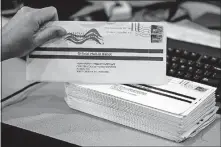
(175, 111)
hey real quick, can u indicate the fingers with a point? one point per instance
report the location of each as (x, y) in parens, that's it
(36, 16)
(44, 15)
(26, 9)
(22, 13)
(48, 34)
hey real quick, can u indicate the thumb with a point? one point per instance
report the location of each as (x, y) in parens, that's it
(49, 33)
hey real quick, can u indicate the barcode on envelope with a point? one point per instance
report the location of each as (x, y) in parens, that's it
(98, 54)
(200, 89)
(192, 86)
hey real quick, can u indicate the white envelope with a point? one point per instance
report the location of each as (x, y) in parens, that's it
(102, 52)
(178, 98)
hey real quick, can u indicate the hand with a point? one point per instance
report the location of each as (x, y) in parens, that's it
(26, 31)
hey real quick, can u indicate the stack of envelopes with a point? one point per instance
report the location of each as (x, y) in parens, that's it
(175, 111)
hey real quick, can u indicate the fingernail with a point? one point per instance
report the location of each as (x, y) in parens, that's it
(62, 32)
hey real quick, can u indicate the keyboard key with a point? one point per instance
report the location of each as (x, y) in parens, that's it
(197, 77)
(175, 59)
(182, 67)
(216, 75)
(218, 94)
(199, 65)
(174, 66)
(205, 59)
(214, 60)
(199, 71)
(190, 69)
(168, 65)
(207, 66)
(188, 76)
(168, 58)
(209, 81)
(190, 62)
(183, 61)
(194, 56)
(172, 72)
(207, 73)
(217, 69)
(180, 74)
(178, 52)
(186, 54)
(218, 97)
(170, 50)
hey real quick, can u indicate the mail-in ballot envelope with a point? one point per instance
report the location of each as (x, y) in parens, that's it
(102, 52)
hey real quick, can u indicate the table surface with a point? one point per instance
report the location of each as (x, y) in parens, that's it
(46, 112)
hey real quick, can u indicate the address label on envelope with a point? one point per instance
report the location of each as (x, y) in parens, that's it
(102, 52)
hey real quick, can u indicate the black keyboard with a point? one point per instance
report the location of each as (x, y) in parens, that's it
(196, 63)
